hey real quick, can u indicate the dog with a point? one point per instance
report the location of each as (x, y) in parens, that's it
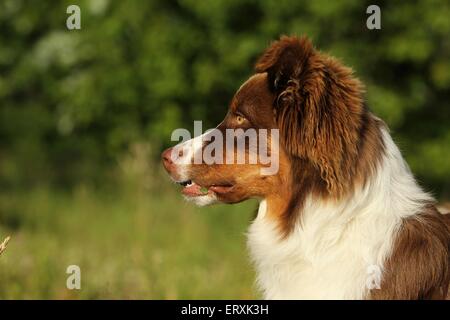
(343, 217)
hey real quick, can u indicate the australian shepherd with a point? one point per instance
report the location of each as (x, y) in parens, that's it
(343, 217)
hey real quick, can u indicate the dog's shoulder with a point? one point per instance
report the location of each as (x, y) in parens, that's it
(419, 265)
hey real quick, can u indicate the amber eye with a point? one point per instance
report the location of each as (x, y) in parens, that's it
(240, 119)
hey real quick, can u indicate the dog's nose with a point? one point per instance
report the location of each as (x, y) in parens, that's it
(167, 159)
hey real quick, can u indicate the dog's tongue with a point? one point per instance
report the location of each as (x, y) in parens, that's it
(194, 190)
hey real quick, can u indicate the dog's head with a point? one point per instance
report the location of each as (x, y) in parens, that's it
(311, 110)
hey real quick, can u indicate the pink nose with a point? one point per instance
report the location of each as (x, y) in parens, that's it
(167, 160)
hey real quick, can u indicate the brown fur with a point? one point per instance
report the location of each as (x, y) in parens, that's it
(319, 108)
(326, 129)
(418, 267)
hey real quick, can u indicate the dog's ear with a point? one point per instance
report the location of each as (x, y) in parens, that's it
(318, 106)
(284, 60)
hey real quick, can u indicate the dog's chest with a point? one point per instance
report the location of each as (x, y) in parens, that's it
(305, 267)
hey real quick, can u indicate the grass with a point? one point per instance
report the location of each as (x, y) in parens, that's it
(138, 242)
(4, 244)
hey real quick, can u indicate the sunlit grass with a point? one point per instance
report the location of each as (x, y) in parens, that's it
(133, 243)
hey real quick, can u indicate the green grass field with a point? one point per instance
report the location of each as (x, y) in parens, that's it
(138, 242)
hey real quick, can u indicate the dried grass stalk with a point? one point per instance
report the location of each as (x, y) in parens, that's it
(4, 244)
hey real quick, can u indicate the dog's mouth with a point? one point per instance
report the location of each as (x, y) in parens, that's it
(193, 189)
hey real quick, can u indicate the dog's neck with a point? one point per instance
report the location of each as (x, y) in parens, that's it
(303, 179)
(334, 242)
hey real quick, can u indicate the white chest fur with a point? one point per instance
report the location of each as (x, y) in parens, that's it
(301, 267)
(337, 249)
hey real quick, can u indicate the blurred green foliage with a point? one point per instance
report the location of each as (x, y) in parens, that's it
(71, 102)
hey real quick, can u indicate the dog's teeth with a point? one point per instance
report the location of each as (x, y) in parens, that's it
(185, 183)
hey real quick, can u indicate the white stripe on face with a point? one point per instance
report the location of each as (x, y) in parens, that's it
(187, 153)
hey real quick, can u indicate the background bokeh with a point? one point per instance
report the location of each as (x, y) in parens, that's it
(85, 113)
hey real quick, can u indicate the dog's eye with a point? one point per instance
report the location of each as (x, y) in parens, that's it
(240, 119)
